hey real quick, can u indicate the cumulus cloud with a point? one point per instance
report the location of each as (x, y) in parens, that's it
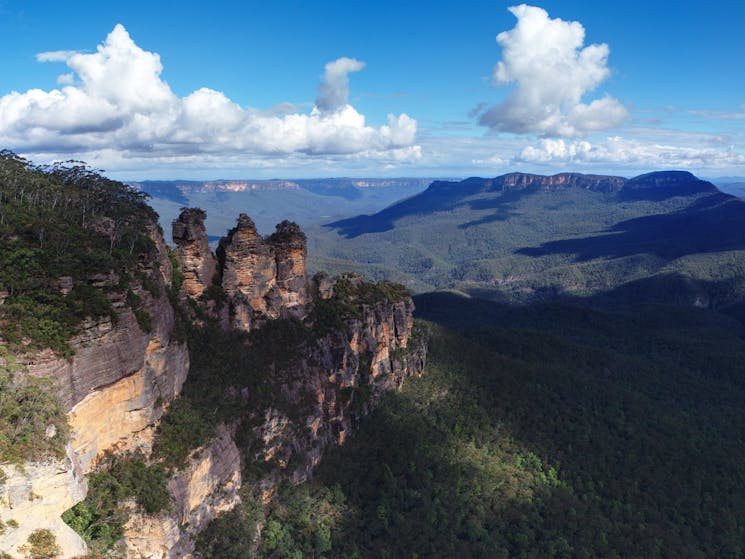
(333, 92)
(631, 153)
(552, 71)
(115, 100)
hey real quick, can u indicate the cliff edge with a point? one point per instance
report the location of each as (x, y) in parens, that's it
(173, 383)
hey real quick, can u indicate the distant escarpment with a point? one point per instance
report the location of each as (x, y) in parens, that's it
(662, 237)
(144, 391)
(598, 183)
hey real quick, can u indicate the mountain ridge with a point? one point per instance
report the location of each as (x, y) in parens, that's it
(524, 235)
(657, 183)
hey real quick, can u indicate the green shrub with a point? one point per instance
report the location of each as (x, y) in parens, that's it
(233, 533)
(27, 408)
(144, 320)
(100, 517)
(42, 545)
(181, 430)
(177, 279)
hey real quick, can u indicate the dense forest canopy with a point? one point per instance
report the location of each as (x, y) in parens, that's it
(551, 431)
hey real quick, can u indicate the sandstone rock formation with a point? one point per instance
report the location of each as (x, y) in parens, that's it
(263, 279)
(289, 245)
(34, 497)
(249, 275)
(207, 486)
(125, 373)
(322, 286)
(193, 251)
(338, 381)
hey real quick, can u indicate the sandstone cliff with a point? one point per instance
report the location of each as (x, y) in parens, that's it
(208, 485)
(263, 279)
(338, 380)
(356, 343)
(193, 251)
(122, 376)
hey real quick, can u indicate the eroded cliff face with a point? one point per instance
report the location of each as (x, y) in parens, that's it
(115, 388)
(598, 183)
(207, 486)
(33, 498)
(122, 416)
(123, 374)
(263, 279)
(337, 382)
(334, 381)
(198, 264)
(126, 372)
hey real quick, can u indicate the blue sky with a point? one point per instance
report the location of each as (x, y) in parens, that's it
(231, 89)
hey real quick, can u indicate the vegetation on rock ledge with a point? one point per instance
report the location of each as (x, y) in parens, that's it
(32, 423)
(60, 226)
(100, 518)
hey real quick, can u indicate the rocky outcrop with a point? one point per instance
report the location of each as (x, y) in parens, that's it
(289, 245)
(249, 275)
(207, 486)
(33, 498)
(322, 286)
(337, 382)
(263, 279)
(193, 252)
(127, 369)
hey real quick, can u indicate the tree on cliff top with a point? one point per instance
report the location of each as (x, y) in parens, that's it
(62, 222)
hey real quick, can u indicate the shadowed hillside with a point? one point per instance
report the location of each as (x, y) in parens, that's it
(546, 430)
(525, 236)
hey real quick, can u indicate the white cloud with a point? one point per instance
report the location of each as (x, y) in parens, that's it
(615, 151)
(66, 79)
(333, 92)
(553, 72)
(115, 100)
(55, 55)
